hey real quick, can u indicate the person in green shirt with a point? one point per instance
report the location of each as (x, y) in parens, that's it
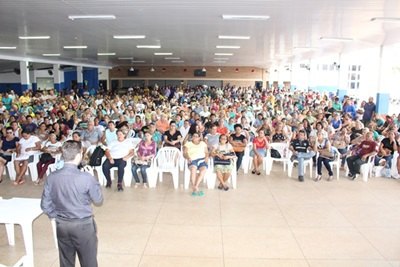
(337, 105)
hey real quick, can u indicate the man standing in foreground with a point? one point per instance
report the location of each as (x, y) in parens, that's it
(67, 197)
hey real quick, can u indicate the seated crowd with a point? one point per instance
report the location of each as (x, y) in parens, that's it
(201, 122)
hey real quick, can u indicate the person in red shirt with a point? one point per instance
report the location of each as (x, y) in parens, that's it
(222, 129)
(364, 150)
(260, 146)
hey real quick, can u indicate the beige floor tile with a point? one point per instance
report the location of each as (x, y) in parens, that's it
(334, 243)
(196, 213)
(186, 241)
(385, 240)
(350, 263)
(299, 196)
(164, 261)
(255, 214)
(395, 263)
(260, 242)
(129, 211)
(314, 216)
(264, 263)
(111, 259)
(372, 215)
(127, 238)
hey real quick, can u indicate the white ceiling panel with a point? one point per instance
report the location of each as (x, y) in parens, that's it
(190, 28)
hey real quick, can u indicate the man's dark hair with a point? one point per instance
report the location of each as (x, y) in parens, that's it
(238, 125)
(70, 149)
(302, 131)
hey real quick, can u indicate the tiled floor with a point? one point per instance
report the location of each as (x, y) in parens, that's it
(267, 221)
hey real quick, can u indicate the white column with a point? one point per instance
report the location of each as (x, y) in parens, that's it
(58, 77)
(79, 76)
(25, 80)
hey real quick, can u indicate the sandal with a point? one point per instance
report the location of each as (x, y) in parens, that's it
(258, 173)
(21, 182)
(221, 186)
(253, 171)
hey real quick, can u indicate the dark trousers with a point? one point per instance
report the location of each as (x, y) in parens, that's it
(239, 156)
(342, 152)
(142, 169)
(42, 167)
(78, 236)
(120, 164)
(325, 161)
(354, 163)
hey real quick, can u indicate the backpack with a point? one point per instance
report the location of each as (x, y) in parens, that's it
(96, 157)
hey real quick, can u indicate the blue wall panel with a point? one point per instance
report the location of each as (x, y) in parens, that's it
(4, 87)
(91, 78)
(69, 76)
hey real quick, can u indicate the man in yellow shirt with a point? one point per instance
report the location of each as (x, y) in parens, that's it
(25, 98)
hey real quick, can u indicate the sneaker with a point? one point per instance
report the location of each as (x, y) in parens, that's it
(354, 177)
(330, 178)
(200, 193)
(301, 178)
(136, 185)
(120, 188)
(318, 178)
(145, 186)
(350, 175)
(108, 185)
(194, 194)
(293, 158)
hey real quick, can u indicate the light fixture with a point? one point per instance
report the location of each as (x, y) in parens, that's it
(131, 69)
(203, 69)
(51, 55)
(163, 54)
(221, 58)
(8, 47)
(34, 37)
(152, 69)
(138, 61)
(172, 58)
(177, 61)
(386, 19)
(336, 39)
(106, 54)
(219, 61)
(81, 58)
(223, 54)
(245, 17)
(219, 70)
(75, 47)
(129, 36)
(305, 48)
(149, 46)
(96, 17)
(228, 46)
(125, 58)
(233, 37)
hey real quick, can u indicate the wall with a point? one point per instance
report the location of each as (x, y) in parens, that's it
(10, 81)
(241, 76)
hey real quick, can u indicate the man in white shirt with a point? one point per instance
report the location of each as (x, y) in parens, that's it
(185, 128)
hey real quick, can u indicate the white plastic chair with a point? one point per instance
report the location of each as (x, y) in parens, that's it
(127, 172)
(283, 149)
(212, 179)
(166, 160)
(336, 162)
(308, 162)
(209, 177)
(246, 161)
(365, 169)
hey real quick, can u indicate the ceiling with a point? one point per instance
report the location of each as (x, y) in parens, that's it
(190, 28)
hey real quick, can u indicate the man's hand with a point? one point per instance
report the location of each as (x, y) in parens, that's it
(112, 161)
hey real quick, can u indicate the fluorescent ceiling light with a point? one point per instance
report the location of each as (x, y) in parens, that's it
(34, 37)
(219, 70)
(125, 58)
(338, 39)
(75, 47)
(152, 69)
(106, 54)
(74, 17)
(232, 37)
(228, 46)
(149, 46)
(177, 61)
(203, 69)
(386, 19)
(223, 54)
(173, 58)
(163, 54)
(8, 47)
(129, 36)
(51, 55)
(138, 61)
(219, 61)
(244, 17)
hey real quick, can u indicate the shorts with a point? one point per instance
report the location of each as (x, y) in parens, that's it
(198, 163)
(6, 157)
(261, 151)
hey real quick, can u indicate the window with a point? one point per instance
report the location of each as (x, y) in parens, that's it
(354, 77)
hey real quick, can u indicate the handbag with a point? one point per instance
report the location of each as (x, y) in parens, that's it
(275, 154)
(45, 157)
(219, 161)
(326, 154)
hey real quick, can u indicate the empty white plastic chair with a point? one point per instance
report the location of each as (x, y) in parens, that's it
(167, 160)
